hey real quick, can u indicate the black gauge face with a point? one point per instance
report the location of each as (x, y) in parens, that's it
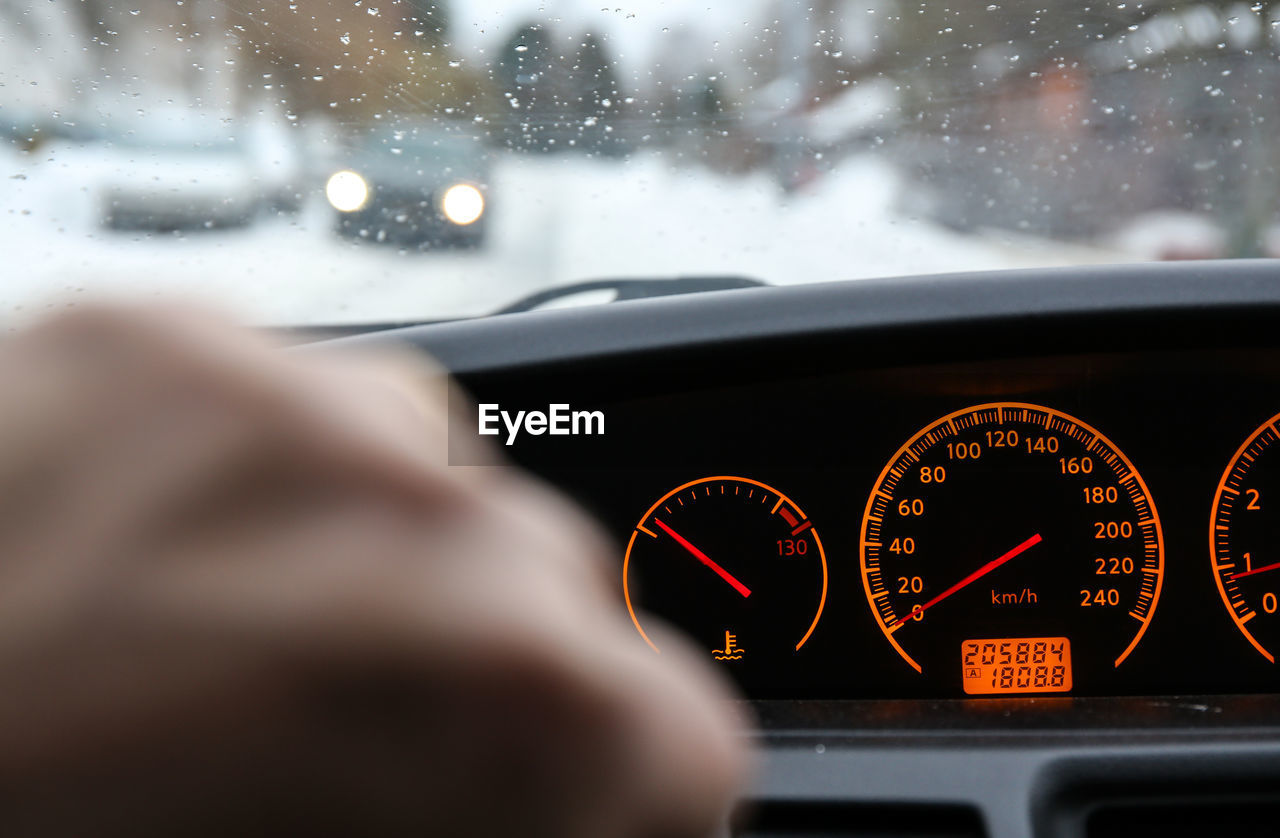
(1010, 548)
(1244, 539)
(732, 562)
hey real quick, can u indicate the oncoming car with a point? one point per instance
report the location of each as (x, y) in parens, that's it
(412, 186)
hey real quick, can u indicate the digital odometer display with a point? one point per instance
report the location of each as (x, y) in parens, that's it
(1007, 665)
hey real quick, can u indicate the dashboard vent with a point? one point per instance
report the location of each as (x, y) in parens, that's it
(1240, 819)
(802, 820)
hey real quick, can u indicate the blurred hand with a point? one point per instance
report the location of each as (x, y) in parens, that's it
(242, 592)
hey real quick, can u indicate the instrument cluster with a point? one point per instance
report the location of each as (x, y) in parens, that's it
(1073, 525)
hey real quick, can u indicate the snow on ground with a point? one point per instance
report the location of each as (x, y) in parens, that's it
(554, 220)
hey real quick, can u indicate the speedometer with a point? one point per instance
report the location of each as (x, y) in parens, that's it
(1011, 548)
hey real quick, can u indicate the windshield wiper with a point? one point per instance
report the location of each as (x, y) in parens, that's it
(631, 289)
(624, 289)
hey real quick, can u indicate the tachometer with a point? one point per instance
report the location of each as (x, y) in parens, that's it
(1011, 548)
(1244, 538)
(734, 563)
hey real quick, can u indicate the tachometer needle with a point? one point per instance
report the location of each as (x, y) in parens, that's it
(705, 559)
(971, 578)
(1262, 569)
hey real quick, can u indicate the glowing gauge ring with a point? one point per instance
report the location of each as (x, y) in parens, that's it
(783, 502)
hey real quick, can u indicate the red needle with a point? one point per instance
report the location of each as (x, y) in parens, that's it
(705, 559)
(971, 578)
(1262, 569)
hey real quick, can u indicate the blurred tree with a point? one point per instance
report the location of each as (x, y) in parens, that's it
(430, 19)
(338, 58)
(679, 73)
(95, 18)
(596, 98)
(532, 82)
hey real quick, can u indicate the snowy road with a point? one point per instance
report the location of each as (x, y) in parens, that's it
(554, 220)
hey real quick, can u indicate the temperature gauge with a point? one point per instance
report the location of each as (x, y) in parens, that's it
(734, 563)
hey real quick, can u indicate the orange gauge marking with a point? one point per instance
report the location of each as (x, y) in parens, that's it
(997, 441)
(1232, 564)
(792, 520)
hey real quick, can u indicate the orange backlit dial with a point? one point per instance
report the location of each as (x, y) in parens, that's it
(1244, 538)
(1016, 522)
(734, 563)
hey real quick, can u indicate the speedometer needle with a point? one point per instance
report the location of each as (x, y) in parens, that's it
(971, 578)
(705, 559)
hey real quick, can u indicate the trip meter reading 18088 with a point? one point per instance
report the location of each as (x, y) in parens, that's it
(1010, 548)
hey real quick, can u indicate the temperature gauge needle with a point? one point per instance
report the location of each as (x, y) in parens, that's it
(971, 578)
(705, 559)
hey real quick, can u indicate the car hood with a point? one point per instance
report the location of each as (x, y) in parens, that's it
(416, 175)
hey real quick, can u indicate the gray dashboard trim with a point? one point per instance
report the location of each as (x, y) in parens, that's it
(1019, 791)
(761, 314)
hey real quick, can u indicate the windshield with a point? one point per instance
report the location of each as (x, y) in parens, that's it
(418, 160)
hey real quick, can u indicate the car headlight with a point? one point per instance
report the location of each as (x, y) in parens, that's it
(347, 191)
(462, 204)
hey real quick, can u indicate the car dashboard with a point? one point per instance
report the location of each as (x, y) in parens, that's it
(987, 554)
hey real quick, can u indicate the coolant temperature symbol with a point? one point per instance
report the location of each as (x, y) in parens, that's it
(731, 651)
